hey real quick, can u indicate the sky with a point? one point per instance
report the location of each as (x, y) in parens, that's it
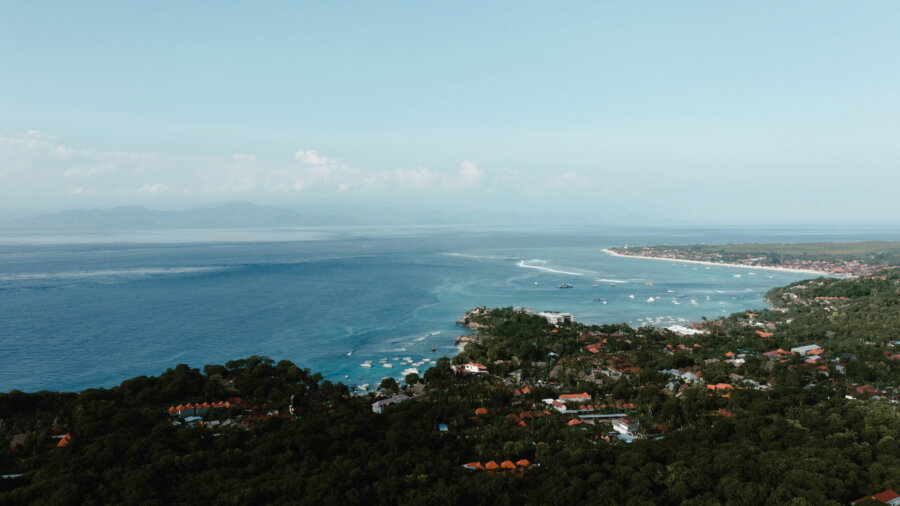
(693, 112)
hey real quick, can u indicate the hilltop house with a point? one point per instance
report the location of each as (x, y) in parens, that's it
(378, 406)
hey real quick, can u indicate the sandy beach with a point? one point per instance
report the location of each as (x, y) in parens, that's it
(725, 264)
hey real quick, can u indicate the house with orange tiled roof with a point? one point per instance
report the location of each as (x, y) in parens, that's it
(886, 497)
(64, 441)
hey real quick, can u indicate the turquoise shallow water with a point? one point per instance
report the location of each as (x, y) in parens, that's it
(93, 312)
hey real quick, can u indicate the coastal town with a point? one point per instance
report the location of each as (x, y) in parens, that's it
(709, 255)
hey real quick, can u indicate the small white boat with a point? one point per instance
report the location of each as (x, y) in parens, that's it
(631, 296)
(410, 370)
(367, 363)
(387, 365)
(651, 299)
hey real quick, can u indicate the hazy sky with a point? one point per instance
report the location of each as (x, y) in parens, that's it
(700, 111)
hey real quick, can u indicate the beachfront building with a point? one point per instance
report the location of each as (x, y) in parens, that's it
(557, 318)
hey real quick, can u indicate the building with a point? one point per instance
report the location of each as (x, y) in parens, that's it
(474, 368)
(624, 425)
(886, 497)
(574, 397)
(557, 318)
(804, 350)
(378, 406)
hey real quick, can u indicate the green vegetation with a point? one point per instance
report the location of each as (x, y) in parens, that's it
(727, 416)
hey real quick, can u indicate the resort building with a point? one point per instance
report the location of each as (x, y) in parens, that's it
(557, 318)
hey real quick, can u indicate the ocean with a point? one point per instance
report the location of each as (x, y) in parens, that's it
(83, 311)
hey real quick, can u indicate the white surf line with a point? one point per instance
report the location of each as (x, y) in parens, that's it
(723, 264)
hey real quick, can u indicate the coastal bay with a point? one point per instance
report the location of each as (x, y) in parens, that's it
(329, 303)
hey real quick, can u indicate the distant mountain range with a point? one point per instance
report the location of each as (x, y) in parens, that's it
(228, 215)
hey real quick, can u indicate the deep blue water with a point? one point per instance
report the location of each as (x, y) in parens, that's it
(80, 312)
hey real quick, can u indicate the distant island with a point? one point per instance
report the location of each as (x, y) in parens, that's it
(836, 259)
(794, 404)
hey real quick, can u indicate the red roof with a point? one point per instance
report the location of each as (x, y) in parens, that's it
(523, 463)
(575, 396)
(574, 421)
(887, 495)
(508, 464)
(481, 411)
(491, 466)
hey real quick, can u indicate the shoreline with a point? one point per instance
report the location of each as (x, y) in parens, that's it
(726, 264)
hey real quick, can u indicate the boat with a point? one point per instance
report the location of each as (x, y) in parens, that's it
(367, 363)
(564, 285)
(410, 370)
(387, 365)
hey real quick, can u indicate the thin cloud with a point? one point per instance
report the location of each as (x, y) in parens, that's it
(36, 168)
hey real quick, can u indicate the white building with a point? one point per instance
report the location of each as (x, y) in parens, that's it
(378, 406)
(557, 318)
(474, 368)
(624, 425)
(803, 350)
